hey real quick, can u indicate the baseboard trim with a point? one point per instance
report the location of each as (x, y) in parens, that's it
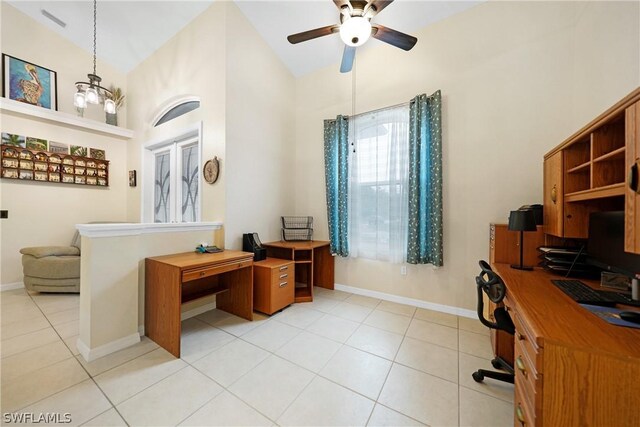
(408, 301)
(198, 310)
(11, 286)
(108, 348)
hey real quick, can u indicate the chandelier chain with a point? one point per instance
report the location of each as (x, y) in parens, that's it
(95, 8)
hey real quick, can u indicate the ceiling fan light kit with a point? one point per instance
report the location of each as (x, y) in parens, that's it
(91, 92)
(355, 29)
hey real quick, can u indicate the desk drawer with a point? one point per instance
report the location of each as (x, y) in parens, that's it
(527, 340)
(282, 292)
(529, 381)
(280, 275)
(212, 270)
(524, 414)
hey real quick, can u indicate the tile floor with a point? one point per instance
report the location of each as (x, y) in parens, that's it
(342, 360)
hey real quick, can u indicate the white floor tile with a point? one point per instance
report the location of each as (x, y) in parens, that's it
(28, 341)
(430, 358)
(271, 335)
(309, 351)
(171, 400)
(475, 344)
(199, 343)
(226, 410)
(126, 380)
(433, 333)
(298, 316)
(333, 327)
(213, 316)
(110, 361)
(385, 417)
(19, 312)
(359, 371)
(328, 293)
(354, 312)
(82, 402)
(71, 344)
(421, 396)
(478, 409)
(472, 325)
(64, 316)
(69, 329)
(362, 300)
(237, 326)
(34, 359)
(445, 319)
(14, 329)
(322, 303)
(225, 365)
(110, 418)
(327, 404)
(53, 303)
(390, 322)
(376, 341)
(469, 364)
(394, 307)
(29, 388)
(271, 386)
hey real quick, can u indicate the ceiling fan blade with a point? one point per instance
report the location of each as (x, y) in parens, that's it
(313, 34)
(348, 56)
(376, 6)
(340, 4)
(393, 37)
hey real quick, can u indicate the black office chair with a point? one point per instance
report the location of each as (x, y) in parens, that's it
(492, 285)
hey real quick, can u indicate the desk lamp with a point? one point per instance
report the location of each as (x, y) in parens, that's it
(522, 221)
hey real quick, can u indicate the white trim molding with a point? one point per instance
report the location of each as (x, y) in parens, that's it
(63, 119)
(134, 229)
(172, 103)
(11, 286)
(108, 348)
(409, 301)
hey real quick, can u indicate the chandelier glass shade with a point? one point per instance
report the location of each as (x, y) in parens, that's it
(355, 31)
(91, 92)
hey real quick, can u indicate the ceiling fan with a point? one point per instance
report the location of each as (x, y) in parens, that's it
(355, 28)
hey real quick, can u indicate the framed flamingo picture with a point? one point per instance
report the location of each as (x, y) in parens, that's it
(29, 83)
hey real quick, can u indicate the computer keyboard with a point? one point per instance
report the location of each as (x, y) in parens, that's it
(583, 294)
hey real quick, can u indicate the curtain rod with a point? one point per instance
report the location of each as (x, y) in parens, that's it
(402, 104)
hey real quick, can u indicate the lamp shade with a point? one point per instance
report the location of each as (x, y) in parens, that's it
(523, 220)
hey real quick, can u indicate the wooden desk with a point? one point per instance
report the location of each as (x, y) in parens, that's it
(572, 368)
(173, 280)
(314, 265)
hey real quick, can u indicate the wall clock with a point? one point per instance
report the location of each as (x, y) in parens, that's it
(211, 170)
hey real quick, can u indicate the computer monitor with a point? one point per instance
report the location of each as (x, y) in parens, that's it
(605, 247)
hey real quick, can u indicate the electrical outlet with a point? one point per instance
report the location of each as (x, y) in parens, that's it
(4, 214)
(403, 270)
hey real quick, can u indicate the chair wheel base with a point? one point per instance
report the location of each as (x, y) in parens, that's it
(478, 376)
(496, 364)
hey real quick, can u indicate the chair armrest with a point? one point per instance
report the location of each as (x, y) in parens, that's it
(43, 251)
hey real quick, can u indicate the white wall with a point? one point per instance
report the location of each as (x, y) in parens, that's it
(517, 78)
(43, 214)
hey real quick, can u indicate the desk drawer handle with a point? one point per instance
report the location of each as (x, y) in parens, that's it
(282, 276)
(521, 337)
(286, 267)
(521, 366)
(520, 414)
(202, 273)
(283, 284)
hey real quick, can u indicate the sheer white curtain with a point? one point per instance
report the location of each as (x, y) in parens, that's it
(378, 185)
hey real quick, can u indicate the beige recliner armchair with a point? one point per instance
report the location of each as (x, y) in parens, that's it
(52, 268)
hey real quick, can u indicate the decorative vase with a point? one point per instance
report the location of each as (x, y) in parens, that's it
(112, 119)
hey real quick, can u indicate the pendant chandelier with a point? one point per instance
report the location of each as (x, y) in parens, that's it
(91, 92)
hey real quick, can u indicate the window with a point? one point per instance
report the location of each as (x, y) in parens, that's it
(177, 111)
(171, 189)
(378, 184)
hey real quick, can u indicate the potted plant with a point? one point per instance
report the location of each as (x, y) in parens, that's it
(118, 98)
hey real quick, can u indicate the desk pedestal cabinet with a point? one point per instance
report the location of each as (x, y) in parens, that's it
(173, 280)
(273, 285)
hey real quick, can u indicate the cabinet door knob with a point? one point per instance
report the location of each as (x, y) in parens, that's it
(554, 194)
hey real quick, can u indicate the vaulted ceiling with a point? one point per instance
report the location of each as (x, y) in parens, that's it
(130, 31)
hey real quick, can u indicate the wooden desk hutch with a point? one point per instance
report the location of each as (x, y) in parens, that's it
(571, 367)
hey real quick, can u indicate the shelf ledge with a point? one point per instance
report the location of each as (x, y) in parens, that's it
(612, 190)
(63, 119)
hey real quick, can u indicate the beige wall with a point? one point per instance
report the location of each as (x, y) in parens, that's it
(247, 98)
(42, 213)
(517, 78)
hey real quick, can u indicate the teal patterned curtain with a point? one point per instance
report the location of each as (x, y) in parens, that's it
(336, 153)
(424, 244)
